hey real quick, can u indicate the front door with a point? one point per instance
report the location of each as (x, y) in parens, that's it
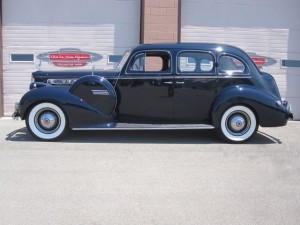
(145, 89)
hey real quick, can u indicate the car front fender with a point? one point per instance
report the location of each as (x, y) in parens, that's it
(78, 112)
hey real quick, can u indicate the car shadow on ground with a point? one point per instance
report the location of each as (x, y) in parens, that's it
(147, 137)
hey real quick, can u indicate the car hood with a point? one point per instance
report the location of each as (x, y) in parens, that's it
(43, 76)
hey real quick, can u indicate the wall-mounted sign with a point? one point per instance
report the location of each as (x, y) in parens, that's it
(69, 57)
(261, 61)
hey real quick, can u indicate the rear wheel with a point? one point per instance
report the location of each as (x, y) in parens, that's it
(238, 124)
(46, 121)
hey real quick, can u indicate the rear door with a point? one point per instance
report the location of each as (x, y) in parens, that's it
(194, 86)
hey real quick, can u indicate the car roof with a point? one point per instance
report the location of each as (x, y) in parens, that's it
(189, 46)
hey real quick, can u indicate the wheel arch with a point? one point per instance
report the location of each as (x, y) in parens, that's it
(259, 102)
(36, 102)
(216, 115)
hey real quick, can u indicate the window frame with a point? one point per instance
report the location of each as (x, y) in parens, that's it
(289, 67)
(129, 72)
(212, 72)
(247, 69)
(14, 53)
(109, 62)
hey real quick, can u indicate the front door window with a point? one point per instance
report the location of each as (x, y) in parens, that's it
(150, 62)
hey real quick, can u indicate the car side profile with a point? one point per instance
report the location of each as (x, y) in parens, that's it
(158, 86)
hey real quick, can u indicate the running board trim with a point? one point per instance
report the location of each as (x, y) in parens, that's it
(131, 126)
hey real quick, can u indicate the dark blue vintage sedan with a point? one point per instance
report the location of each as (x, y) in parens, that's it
(158, 86)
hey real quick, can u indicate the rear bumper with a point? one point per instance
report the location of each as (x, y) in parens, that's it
(289, 109)
(290, 113)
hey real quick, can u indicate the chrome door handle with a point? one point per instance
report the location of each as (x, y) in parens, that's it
(179, 82)
(168, 82)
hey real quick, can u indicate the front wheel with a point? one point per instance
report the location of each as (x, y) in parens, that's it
(46, 122)
(238, 124)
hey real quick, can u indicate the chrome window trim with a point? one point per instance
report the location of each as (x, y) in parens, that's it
(198, 74)
(235, 75)
(149, 73)
(145, 77)
(196, 77)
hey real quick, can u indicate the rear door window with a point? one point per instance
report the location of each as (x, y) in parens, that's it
(191, 62)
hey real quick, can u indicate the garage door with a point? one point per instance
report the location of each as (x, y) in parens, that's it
(33, 27)
(269, 28)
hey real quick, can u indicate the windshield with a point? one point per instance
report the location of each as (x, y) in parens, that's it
(123, 60)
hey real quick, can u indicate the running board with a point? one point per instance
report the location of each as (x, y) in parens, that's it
(136, 126)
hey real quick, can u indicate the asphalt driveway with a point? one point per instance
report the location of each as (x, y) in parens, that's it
(149, 177)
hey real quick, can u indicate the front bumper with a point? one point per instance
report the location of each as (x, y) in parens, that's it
(16, 114)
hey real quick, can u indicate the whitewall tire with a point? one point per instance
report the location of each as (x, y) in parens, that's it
(238, 124)
(46, 121)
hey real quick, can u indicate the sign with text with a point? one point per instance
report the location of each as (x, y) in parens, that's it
(69, 57)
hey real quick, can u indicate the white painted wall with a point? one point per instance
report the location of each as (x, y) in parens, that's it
(30, 26)
(270, 28)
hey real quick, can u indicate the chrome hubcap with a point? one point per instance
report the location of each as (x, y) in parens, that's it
(47, 121)
(238, 123)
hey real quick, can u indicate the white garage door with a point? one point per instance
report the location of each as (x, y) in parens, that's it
(269, 28)
(32, 27)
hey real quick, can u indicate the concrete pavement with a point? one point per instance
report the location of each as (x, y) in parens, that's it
(149, 177)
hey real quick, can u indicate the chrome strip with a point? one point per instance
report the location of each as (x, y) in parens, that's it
(167, 77)
(185, 77)
(234, 77)
(153, 127)
(145, 77)
(196, 77)
(100, 92)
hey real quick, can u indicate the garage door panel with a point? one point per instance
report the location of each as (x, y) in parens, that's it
(268, 28)
(34, 27)
(230, 14)
(69, 12)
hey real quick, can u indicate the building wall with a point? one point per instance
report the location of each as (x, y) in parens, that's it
(160, 21)
(1, 67)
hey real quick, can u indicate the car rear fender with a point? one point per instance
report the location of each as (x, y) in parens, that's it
(268, 109)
